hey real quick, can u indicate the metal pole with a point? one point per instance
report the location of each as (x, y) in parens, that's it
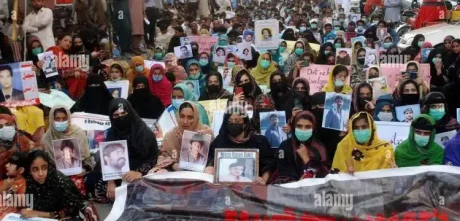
(109, 27)
(25, 34)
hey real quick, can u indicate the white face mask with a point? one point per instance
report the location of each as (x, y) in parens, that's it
(385, 116)
(7, 133)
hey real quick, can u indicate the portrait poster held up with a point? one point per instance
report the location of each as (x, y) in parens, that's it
(118, 88)
(443, 138)
(67, 156)
(226, 73)
(393, 132)
(194, 86)
(194, 151)
(379, 86)
(271, 126)
(336, 111)
(236, 165)
(343, 56)
(317, 76)
(18, 85)
(114, 159)
(393, 73)
(408, 113)
(49, 67)
(248, 36)
(184, 51)
(212, 106)
(266, 34)
(244, 51)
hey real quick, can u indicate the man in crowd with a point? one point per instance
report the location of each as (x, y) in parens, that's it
(40, 23)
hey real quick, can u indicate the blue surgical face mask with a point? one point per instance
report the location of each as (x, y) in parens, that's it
(421, 141)
(194, 77)
(230, 64)
(337, 28)
(387, 45)
(298, 51)
(61, 126)
(338, 83)
(337, 45)
(362, 136)
(7, 133)
(313, 26)
(437, 114)
(177, 102)
(37, 51)
(264, 64)
(203, 62)
(360, 28)
(157, 78)
(420, 43)
(434, 60)
(139, 69)
(303, 135)
(282, 49)
(302, 29)
(385, 116)
(158, 56)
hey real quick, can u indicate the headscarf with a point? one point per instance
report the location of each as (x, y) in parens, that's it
(382, 101)
(170, 148)
(447, 122)
(136, 60)
(201, 79)
(254, 91)
(161, 89)
(221, 94)
(144, 102)
(237, 60)
(398, 93)
(58, 195)
(95, 100)
(330, 87)
(248, 130)
(322, 58)
(142, 143)
(414, 49)
(452, 152)
(262, 103)
(262, 76)
(408, 153)
(290, 63)
(285, 90)
(359, 103)
(418, 58)
(73, 131)
(188, 96)
(376, 154)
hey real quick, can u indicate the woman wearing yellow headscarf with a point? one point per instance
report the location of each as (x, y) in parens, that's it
(361, 149)
(137, 68)
(265, 67)
(337, 81)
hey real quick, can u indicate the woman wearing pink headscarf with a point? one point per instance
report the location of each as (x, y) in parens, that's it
(160, 86)
(418, 58)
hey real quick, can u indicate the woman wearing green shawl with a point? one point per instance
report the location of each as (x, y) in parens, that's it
(420, 148)
(182, 93)
(264, 69)
(194, 72)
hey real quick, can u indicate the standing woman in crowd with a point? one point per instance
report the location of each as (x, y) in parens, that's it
(337, 81)
(265, 67)
(188, 118)
(214, 88)
(137, 68)
(361, 149)
(116, 73)
(236, 133)
(279, 89)
(159, 85)
(303, 155)
(96, 97)
(75, 77)
(145, 103)
(436, 106)
(55, 195)
(415, 46)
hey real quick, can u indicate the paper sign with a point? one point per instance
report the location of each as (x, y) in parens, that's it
(194, 151)
(183, 52)
(114, 159)
(118, 88)
(336, 111)
(211, 106)
(349, 36)
(166, 123)
(194, 86)
(20, 89)
(393, 73)
(220, 53)
(266, 33)
(49, 64)
(443, 138)
(271, 126)
(54, 98)
(205, 43)
(87, 121)
(244, 51)
(67, 156)
(316, 75)
(393, 132)
(407, 113)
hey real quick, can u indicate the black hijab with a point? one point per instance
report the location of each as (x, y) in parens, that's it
(221, 92)
(322, 58)
(142, 143)
(407, 99)
(280, 90)
(97, 97)
(143, 101)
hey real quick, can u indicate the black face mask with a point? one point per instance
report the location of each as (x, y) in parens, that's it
(212, 88)
(410, 98)
(247, 88)
(78, 48)
(277, 87)
(300, 94)
(235, 129)
(363, 101)
(361, 60)
(122, 122)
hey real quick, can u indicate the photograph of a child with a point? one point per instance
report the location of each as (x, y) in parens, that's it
(408, 113)
(194, 151)
(67, 156)
(219, 54)
(271, 126)
(343, 56)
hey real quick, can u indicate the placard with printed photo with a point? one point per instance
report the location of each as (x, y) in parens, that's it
(67, 156)
(266, 34)
(18, 85)
(355, 17)
(226, 73)
(49, 64)
(248, 36)
(95, 137)
(372, 57)
(343, 56)
(114, 159)
(186, 40)
(408, 113)
(236, 165)
(425, 53)
(194, 86)
(382, 33)
(271, 126)
(336, 111)
(443, 138)
(118, 89)
(244, 51)
(184, 51)
(379, 86)
(220, 52)
(194, 151)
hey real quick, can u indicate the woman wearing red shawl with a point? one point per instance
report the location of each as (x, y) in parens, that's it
(231, 60)
(11, 140)
(75, 77)
(370, 4)
(160, 86)
(304, 155)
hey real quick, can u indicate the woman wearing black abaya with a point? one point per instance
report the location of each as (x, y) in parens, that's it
(142, 146)
(96, 97)
(324, 51)
(299, 99)
(280, 91)
(415, 46)
(289, 35)
(145, 103)
(214, 88)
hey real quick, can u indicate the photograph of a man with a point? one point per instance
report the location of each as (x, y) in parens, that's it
(195, 148)
(235, 173)
(6, 82)
(336, 116)
(114, 158)
(184, 52)
(274, 132)
(70, 154)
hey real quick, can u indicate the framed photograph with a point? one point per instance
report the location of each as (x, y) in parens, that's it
(336, 111)
(271, 125)
(407, 113)
(114, 159)
(194, 86)
(371, 57)
(156, 129)
(343, 56)
(379, 86)
(95, 137)
(67, 156)
(236, 165)
(194, 151)
(184, 51)
(220, 52)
